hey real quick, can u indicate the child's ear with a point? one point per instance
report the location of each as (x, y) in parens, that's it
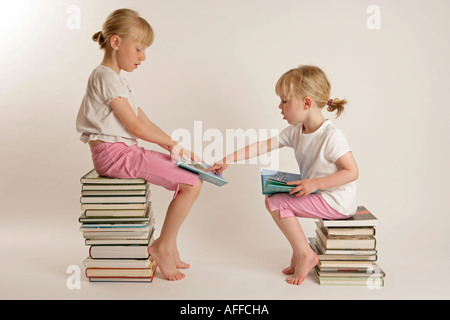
(308, 103)
(114, 41)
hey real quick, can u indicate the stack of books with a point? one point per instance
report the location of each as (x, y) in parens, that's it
(117, 223)
(347, 251)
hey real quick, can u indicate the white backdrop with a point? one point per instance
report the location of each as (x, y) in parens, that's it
(218, 62)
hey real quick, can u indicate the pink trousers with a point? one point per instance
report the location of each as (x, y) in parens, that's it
(311, 206)
(118, 160)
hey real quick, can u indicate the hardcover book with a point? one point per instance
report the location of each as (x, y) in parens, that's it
(92, 177)
(362, 218)
(199, 168)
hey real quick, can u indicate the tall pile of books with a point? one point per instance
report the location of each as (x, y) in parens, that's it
(117, 223)
(347, 251)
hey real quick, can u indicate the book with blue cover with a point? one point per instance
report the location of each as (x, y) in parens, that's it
(199, 168)
(276, 181)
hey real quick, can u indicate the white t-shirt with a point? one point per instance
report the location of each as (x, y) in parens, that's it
(96, 120)
(316, 154)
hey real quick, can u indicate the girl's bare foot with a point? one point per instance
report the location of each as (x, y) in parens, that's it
(165, 261)
(291, 269)
(180, 264)
(303, 266)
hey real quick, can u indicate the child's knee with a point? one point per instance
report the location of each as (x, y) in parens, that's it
(267, 204)
(198, 185)
(191, 188)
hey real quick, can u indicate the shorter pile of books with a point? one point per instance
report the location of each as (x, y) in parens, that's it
(347, 251)
(117, 223)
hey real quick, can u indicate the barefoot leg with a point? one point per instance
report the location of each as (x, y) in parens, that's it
(302, 268)
(303, 257)
(163, 250)
(180, 264)
(291, 269)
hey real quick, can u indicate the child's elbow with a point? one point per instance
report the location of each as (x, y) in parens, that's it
(135, 129)
(355, 175)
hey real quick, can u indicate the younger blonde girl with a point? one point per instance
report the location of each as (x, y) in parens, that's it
(324, 157)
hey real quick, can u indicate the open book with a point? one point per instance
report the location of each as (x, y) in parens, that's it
(276, 181)
(199, 168)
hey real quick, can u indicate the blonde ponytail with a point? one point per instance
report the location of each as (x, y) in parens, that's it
(336, 105)
(98, 37)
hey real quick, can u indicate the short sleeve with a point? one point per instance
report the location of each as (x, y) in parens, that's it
(110, 86)
(287, 136)
(336, 146)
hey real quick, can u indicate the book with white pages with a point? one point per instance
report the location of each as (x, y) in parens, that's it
(116, 263)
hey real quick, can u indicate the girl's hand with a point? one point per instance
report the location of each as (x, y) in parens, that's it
(218, 168)
(177, 152)
(304, 187)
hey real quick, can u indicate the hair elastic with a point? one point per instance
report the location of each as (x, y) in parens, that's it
(330, 102)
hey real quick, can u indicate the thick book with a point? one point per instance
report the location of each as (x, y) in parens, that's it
(119, 279)
(116, 216)
(115, 206)
(119, 252)
(370, 280)
(362, 218)
(119, 226)
(346, 242)
(118, 234)
(355, 266)
(109, 211)
(113, 199)
(117, 274)
(346, 231)
(200, 169)
(111, 219)
(129, 234)
(117, 263)
(130, 215)
(92, 177)
(102, 187)
(109, 241)
(123, 225)
(351, 255)
(99, 193)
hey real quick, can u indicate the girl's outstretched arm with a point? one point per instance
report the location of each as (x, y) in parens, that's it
(250, 151)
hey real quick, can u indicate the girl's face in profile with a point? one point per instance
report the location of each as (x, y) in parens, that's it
(130, 54)
(292, 109)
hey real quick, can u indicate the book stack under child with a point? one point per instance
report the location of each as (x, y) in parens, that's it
(117, 223)
(347, 251)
